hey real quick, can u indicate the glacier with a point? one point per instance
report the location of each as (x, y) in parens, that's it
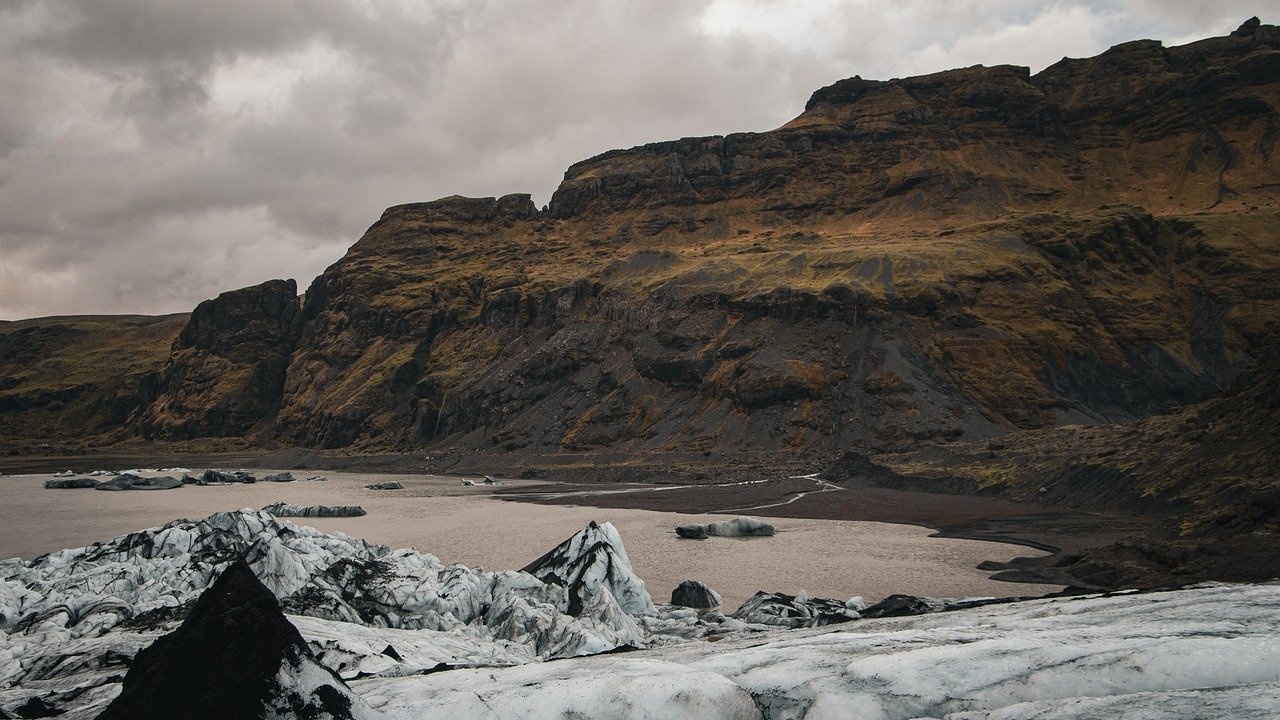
(577, 634)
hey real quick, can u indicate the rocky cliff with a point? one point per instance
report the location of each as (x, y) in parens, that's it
(227, 367)
(912, 261)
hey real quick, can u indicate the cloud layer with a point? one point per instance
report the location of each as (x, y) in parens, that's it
(154, 153)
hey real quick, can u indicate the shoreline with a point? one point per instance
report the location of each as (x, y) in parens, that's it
(477, 527)
(737, 487)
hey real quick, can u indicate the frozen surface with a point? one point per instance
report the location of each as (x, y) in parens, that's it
(414, 637)
(1209, 652)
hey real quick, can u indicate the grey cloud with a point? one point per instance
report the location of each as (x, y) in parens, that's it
(156, 152)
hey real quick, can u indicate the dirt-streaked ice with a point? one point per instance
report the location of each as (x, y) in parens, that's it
(416, 638)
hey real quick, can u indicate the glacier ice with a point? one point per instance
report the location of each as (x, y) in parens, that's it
(413, 637)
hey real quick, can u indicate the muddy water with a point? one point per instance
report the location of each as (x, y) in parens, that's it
(828, 558)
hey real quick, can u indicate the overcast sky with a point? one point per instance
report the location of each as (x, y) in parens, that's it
(154, 153)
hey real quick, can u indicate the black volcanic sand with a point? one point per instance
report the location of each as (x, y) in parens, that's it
(956, 516)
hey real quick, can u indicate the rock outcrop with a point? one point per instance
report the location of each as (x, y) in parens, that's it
(693, 594)
(235, 657)
(227, 368)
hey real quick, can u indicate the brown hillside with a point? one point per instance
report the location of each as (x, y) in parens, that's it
(70, 377)
(908, 262)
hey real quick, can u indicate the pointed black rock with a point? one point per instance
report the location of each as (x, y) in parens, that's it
(231, 659)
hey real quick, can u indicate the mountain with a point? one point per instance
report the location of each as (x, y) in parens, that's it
(924, 260)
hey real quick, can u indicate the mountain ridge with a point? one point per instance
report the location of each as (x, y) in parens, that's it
(907, 262)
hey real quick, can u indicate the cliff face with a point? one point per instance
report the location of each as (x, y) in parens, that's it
(937, 258)
(907, 261)
(226, 370)
(1173, 129)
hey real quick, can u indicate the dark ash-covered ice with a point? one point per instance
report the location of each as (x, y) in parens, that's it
(234, 657)
(129, 481)
(70, 483)
(282, 509)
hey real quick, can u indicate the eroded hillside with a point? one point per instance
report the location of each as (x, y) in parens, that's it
(948, 257)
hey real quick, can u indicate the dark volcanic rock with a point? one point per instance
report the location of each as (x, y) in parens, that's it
(389, 485)
(793, 610)
(898, 606)
(227, 368)
(693, 594)
(70, 483)
(281, 477)
(129, 481)
(218, 477)
(235, 657)
(36, 707)
(281, 509)
(692, 532)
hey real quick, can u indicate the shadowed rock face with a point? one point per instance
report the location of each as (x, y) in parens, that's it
(1206, 472)
(226, 371)
(235, 656)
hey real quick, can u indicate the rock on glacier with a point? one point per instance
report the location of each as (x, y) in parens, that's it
(693, 594)
(235, 657)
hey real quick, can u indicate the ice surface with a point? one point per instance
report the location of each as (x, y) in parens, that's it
(1208, 652)
(94, 598)
(416, 638)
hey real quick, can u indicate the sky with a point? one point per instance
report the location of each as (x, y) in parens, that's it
(154, 153)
